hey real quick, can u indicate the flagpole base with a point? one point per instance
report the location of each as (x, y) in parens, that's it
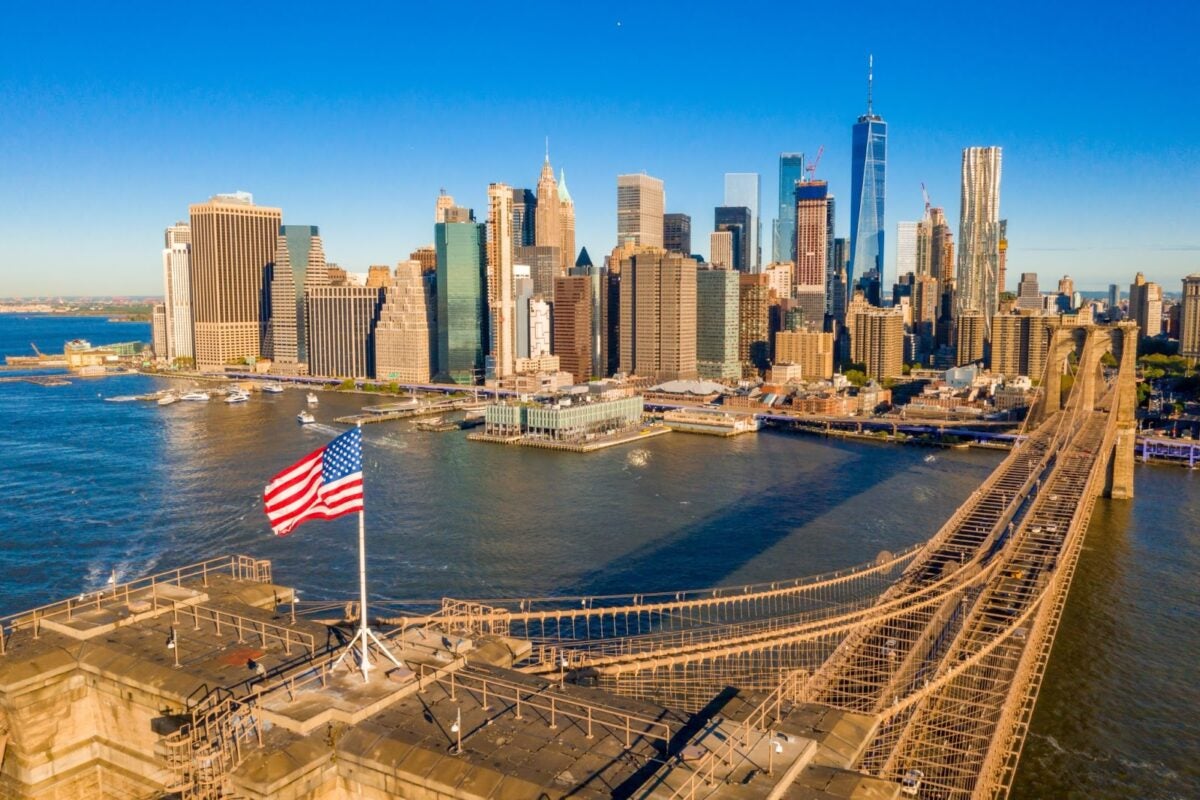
(364, 643)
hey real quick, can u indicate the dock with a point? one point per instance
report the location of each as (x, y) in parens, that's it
(710, 423)
(591, 446)
(408, 412)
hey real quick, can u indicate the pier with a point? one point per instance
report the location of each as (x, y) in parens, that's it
(394, 411)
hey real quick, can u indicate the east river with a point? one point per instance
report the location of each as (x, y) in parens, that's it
(91, 486)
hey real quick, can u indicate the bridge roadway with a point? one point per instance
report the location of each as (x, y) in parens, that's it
(947, 656)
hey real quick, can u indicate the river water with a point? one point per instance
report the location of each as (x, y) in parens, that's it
(92, 486)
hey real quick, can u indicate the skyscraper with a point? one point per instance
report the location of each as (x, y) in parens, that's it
(233, 242)
(658, 315)
(462, 314)
(978, 284)
(406, 336)
(677, 233)
(971, 328)
(1189, 322)
(573, 325)
(501, 305)
(543, 267)
(831, 266)
(378, 276)
(540, 327)
(1145, 306)
(812, 351)
(906, 248)
(1002, 259)
(868, 154)
(177, 293)
(158, 330)
(299, 266)
(598, 278)
(754, 323)
(640, 204)
(341, 330)
(876, 338)
(524, 224)
(812, 239)
(426, 256)
(738, 220)
(566, 224)
(720, 249)
(1028, 296)
(745, 189)
(791, 170)
(444, 203)
(1019, 343)
(523, 292)
(549, 216)
(941, 250)
(717, 302)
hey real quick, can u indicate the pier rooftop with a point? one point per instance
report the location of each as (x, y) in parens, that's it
(201, 683)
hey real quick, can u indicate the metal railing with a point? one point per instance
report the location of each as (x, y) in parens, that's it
(238, 567)
(762, 719)
(521, 697)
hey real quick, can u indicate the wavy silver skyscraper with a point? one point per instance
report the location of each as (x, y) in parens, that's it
(867, 178)
(979, 233)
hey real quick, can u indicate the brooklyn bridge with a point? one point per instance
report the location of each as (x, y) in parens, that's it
(914, 675)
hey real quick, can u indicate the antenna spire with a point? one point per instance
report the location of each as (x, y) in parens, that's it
(547, 149)
(870, 79)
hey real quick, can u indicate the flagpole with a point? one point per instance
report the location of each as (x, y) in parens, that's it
(362, 587)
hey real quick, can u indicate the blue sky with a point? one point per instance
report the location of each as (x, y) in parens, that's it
(114, 117)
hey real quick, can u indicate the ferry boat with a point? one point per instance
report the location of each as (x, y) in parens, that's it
(272, 388)
(313, 399)
(168, 398)
(237, 396)
(304, 418)
(196, 396)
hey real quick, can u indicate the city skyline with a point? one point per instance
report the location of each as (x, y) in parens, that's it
(122, 139)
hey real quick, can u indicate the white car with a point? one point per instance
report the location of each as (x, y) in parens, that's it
(910, 784)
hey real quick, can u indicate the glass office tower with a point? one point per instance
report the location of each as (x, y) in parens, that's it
(462, 314)
(867, 178)
(744, 189)
(791, 170)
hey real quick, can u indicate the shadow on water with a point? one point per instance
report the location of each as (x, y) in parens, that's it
(730, 538)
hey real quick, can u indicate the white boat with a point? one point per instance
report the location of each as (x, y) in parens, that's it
(272, 388)
(929, 459)
(168, 398)
(197, 396)
(313, 399)
(237, 397)
(305, 418)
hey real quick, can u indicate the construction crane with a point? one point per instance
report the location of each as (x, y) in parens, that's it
(811, 169)
(925, 194)
(36, 352)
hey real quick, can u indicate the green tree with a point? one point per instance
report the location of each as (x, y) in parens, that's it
(856, 377)
(1108, 360)
(346, 385)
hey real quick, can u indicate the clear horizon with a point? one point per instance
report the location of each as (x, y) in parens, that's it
(353, 119)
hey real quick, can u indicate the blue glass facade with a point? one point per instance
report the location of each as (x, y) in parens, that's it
(299, 245)
(867, 178)
(462, 318)
(791, 170)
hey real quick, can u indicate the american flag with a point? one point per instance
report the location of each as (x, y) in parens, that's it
(325, 484)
